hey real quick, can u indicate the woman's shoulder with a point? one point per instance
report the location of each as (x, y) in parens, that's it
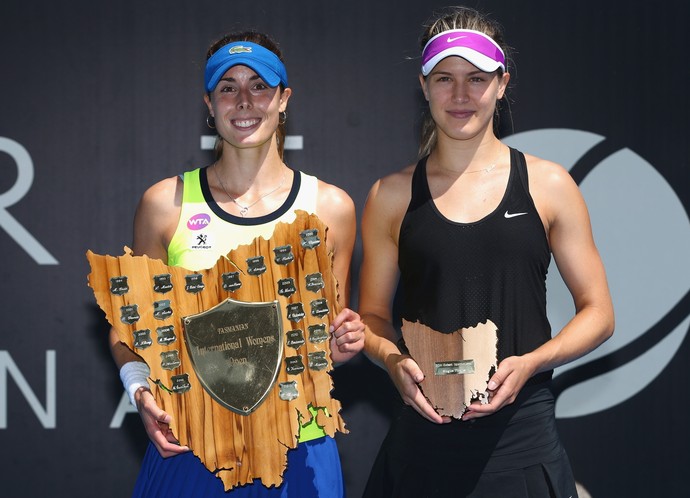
(394, 186)
(328, 192)
(163, 191)
(333, 204)
(161, 198)
(546, 173)
(553, 189)
(156, 217)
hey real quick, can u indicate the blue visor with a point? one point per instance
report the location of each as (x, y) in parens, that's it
(264, 62)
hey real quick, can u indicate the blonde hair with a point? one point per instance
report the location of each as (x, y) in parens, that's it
(456, 18)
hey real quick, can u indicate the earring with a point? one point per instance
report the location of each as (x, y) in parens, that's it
(282, 117)
(211, 122)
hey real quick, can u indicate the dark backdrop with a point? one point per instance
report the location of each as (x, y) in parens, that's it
(98, 100)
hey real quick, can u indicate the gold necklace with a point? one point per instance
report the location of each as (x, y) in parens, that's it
(244, 209)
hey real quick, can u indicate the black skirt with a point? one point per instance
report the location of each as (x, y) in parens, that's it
(514, 453)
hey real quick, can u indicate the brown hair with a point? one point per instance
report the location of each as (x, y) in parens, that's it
(265, 41)
(457, 18)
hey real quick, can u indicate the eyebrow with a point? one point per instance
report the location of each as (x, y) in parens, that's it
(233, 80)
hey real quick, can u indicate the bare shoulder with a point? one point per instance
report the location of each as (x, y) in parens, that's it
(389, 196)
(553, 189)
(337, 210)
(545, 174)
(162, 194)
(334, 206)
(156, 217)
(393, 189)
(331, 196)
(397, 181)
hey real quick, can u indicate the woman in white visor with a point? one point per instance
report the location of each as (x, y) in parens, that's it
(469, 231)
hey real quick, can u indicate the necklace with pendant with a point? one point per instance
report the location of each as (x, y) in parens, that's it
(488, 169)
(485, 170)
(244, 209)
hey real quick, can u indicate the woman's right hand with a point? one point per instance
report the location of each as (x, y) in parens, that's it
(406, 376)
(157, 424)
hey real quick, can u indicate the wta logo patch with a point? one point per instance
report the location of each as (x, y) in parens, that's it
(198, 221)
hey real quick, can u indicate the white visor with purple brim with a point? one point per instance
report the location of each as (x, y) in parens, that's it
(473, 46)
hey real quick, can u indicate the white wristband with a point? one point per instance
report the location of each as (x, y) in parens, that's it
(134, 374)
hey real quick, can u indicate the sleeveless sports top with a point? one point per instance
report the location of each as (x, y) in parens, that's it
(455, 275)
(205, 233)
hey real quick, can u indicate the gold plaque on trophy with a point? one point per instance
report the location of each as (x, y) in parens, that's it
(239, 352)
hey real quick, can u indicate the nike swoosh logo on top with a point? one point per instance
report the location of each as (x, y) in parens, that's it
(512, 215)
(451, 40)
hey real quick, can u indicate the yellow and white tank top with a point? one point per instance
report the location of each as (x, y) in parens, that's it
(206, 233)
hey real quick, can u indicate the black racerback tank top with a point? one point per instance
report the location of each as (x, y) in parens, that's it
(456, 275)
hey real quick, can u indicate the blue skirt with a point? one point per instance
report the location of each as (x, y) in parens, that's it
(313, 471)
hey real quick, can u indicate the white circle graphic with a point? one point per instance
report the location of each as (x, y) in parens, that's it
(643, 234)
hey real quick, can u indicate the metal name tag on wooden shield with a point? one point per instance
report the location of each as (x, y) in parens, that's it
(236, 350)
(456, 366)
(239, 377)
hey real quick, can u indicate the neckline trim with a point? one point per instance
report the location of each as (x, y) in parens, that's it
(492, 213)
(249, 221)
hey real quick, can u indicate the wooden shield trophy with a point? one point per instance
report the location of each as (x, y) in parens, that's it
(457, 366)
(238, 353)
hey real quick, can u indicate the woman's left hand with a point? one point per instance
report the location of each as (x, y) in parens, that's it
(504, 386)
(347, 336)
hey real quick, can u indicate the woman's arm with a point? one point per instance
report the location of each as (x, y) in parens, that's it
(337, 211)
(566, 220)
(154, 224)
(579, 263)
(383, 213)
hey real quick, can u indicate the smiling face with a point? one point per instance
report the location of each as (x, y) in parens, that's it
(245, 108)
(462, 99)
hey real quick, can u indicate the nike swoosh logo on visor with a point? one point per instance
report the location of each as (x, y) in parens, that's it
(451, 40)
(512, 215)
